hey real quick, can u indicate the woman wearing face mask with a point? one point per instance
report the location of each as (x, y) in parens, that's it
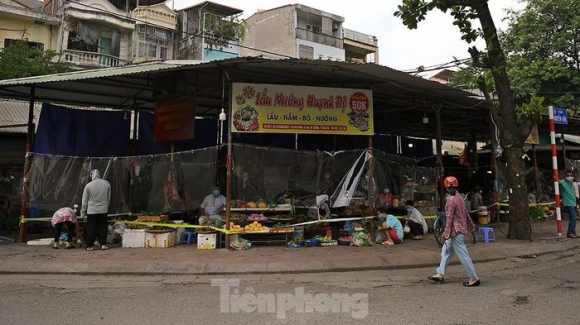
(386, 198)
(391, 226)
(415, 220)
(569, 200)
(457, 225)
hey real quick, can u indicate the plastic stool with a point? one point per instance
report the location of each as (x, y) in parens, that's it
(186, 237)
(486, 234)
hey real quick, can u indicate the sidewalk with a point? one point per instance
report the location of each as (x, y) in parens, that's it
(275, 259)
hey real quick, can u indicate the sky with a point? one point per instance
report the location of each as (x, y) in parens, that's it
(436, 41)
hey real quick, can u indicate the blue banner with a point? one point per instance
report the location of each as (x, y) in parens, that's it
(80, 132)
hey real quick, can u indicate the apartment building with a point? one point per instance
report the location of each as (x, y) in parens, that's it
(300, 31)
(210, 31)
(110, 33)
(24, 19)
(92, 34)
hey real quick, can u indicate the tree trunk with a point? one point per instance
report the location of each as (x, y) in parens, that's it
(513, 133)
(519, 225)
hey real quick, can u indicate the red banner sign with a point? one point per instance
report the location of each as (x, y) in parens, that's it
(174, 119)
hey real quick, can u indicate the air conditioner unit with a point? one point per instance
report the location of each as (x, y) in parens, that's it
(335, 26)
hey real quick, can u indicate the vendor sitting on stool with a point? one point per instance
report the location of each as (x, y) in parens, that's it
(212, 206)
(64, 216)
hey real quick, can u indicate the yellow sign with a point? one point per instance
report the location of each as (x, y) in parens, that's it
(264, 108)
(533, 138)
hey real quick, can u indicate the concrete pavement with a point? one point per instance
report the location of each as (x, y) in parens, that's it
(267, 259)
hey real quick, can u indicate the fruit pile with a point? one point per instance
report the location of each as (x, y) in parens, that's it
(234, 227)
(255, 226)
(257, 217)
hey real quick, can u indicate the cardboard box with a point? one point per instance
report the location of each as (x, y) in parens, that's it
(207, 241)
(161, 240)
(134, 238)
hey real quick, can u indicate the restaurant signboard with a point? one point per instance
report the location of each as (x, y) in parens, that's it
(266, 108)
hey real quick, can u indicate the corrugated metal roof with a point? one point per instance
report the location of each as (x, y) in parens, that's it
(15, 112)
(214, 7)
(400, 99)
(100, 73)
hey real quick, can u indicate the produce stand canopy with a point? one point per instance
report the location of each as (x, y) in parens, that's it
(400, 99)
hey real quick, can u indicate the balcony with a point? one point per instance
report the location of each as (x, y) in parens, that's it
(151, 15)
(307, 35)
(359, 37)
(93, 59)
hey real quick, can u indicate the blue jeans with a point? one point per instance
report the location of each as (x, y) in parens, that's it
(572, 212)
(456, 245)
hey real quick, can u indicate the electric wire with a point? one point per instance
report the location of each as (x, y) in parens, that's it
(426, 69)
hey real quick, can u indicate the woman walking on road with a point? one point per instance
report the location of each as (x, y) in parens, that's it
(457, 225)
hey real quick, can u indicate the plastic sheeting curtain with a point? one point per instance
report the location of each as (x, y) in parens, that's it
(90, 33)
(141, 184)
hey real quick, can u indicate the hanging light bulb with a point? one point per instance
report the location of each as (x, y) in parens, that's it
(425, 119)
(223, 115)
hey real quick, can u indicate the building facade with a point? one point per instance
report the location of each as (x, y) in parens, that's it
(113, 33)
(299, 31)
(25, 19)
(210, 31)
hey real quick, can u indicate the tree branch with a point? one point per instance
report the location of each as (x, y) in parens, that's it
(476, 59)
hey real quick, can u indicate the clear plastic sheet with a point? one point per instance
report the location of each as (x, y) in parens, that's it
(147, 184)
(178, 182)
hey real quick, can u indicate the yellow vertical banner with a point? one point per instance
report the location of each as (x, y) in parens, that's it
(266, 108)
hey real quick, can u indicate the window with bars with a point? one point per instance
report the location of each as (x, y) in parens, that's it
(9, 41)
(153, 42)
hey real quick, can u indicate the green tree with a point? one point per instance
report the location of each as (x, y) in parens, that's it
(21, 60)
(542, 43)
(513, 129)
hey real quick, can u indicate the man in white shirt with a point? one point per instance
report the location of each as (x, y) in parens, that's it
(212, 206)
(95, 206)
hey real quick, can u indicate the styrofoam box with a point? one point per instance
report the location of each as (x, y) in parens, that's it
(40, 242)
(206, 241)
(134, 238)
(162, 240)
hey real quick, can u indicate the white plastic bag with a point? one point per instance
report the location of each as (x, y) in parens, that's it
(238, 243)
(406, 229)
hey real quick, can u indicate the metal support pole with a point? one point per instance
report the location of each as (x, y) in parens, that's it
(555, 171)
(229, 169)
(439, 163)
(536, 172)
(371, 183)
(29, 147)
